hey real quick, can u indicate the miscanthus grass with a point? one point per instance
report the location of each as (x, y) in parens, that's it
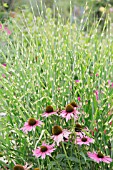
(55, 85)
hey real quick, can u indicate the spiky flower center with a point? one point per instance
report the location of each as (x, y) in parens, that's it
(18, 167)
(65, 139)
(78, 128)
(69, 108)
(100, 155)
(84, 139)
(73, 104)
(56, 130)
(59, 110)
(31, 121)
(43, 148)
(49, 109)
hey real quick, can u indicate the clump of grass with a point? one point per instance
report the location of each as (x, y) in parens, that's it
(44, 59)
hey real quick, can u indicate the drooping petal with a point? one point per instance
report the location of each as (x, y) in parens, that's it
(107, 159)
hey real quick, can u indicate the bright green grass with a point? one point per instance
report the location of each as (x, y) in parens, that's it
(43, 59)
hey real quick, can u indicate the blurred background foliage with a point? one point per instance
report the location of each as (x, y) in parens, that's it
(9, 8)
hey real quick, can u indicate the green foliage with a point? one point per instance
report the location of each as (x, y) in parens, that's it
(44, 58)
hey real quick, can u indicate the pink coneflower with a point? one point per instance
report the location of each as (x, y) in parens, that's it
(4, 64)
(109, 82)
(79, 98)
(49, 111)
(59, 134)
(0, 26)
(44, 150)
(99, 157)
(7, 30)
(83, 140)
(20, 167)
(69, 112)
(73, 104)
(110, 122)
(31, 124)
(79, 129)
(77, 81)
(97, 74)
(112, 85)
(3, 75)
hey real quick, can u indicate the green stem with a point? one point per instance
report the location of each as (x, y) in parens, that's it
(76, 151)
(77, 155)
(66, 156)
(57, 163)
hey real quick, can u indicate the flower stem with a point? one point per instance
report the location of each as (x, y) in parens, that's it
(77, 155)
(66, 156)
(57, 163)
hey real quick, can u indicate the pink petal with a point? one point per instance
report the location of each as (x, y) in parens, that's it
(58, 139)
(43, 155)
(94, 156)
(107, 159)
(39, 123)
(77, 81)
(45, 114)
(66, 133)
(4, 64)
(0, 26)
(79, 98)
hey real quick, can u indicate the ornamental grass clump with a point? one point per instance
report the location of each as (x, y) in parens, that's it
(52, 120)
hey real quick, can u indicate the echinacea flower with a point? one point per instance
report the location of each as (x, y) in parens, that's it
(99, 157)
(4, 64)
(7, 30)
(109, 82)
(0, 26)
(73, 104)
(79, 129)
(49, 111)
(20, 167)
(31, 124)
(77, 81)
(59, 134)
(83, 140)
(69, 112)
(79, 98)
(44, 150)
(112, 85)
